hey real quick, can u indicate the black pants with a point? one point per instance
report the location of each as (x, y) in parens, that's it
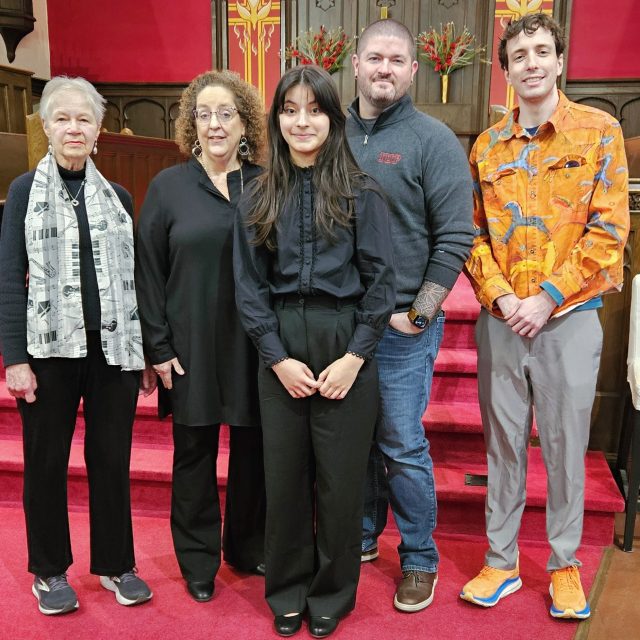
(110, 397)
(316, 453)
(195, 504)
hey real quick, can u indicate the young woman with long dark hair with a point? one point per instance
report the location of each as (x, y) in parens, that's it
(315, 290)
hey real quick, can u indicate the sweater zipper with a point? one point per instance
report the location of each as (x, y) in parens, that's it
(366, 138)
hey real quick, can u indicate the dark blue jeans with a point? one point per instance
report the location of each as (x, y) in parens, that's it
(400, 469)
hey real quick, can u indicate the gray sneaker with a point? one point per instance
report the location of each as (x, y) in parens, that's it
(54, 595)
(129, 589)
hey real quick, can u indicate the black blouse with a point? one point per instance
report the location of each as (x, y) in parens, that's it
(356, 265)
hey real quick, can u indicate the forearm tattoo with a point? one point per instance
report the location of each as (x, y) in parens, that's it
(430, 299)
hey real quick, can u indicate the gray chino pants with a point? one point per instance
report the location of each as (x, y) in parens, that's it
(555, 372)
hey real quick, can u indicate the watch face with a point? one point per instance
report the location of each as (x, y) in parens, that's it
(420, 322)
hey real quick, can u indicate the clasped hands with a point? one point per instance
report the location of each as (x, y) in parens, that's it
(333, 383)
(526, 316)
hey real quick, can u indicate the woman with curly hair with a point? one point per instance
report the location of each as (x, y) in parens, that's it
(191, 329)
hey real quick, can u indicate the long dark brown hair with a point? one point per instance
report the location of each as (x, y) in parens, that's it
(335, 171)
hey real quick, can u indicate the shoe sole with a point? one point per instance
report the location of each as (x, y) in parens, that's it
(110, 586)
(568, 614)
(369, 556)
(507, 588)
(52, 612)
(419, 606)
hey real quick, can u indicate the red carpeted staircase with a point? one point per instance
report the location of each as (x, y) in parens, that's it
(453, 426)
(452, 423)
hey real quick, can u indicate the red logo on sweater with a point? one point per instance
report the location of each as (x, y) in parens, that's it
(389, 158)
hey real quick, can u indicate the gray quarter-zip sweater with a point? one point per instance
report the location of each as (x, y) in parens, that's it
(422, 169)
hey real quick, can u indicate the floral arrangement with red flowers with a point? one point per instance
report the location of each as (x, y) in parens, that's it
(445, 51)
(326, 48)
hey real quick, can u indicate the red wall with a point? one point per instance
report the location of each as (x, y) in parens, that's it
(130, 40)
(604, 40)
(170, 40)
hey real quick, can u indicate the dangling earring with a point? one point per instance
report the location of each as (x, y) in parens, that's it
(196, 150)
(95, 147)
(50, 148)
(243, 147)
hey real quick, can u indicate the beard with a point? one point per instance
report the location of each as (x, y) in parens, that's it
(379, 97)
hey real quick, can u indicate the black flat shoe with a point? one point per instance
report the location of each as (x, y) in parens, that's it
(287, 625)
(322, 627)
(259, 569)
(200, 591)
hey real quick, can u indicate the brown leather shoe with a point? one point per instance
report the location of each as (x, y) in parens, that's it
(415, 591)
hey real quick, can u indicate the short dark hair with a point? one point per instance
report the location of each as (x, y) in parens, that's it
(530, 24)
(388, 27)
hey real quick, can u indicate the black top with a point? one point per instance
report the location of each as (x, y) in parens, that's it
(356, 265)
(14, 263)
(186, 297)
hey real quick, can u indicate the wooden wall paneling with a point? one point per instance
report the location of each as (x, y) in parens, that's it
(147, 117)
(15, 99)
(219, 43)
(620, 98)
(13, 160)
(133, 161)
(147, 109)
(562, 14)
(301, 15)
(467, 110)
(612, 387)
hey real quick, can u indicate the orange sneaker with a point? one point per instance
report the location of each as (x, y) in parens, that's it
(567, 594)
(490, 585)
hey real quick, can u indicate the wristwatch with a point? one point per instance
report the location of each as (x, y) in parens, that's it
(416, 319)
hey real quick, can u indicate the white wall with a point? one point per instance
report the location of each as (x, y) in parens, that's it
(32, 52)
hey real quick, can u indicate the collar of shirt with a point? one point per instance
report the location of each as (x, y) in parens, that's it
(512, 128)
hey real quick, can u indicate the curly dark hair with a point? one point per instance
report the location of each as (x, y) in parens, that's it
(247, 101)
(530, 24)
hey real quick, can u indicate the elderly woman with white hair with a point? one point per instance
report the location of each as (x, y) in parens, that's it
(69, 330)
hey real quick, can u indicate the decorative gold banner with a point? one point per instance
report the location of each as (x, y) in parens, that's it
(507, 10)
(254, 43)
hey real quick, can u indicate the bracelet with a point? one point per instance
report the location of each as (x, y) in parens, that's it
(357, 355)
(279, 361)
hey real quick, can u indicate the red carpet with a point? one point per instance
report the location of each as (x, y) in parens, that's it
(238, 610)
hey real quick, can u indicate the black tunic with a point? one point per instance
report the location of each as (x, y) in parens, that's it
(184, 282)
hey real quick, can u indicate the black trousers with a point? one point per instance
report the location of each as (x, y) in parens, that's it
(110, 397)
(195, 504)
(316, 453)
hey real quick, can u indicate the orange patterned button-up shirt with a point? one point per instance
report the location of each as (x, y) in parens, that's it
(552, 208)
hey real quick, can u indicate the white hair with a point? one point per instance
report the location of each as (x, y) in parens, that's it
(79, 85)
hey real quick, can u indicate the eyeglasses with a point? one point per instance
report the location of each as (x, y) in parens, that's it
(224, 115)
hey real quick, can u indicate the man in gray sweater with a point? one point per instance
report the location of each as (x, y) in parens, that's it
(424, 172)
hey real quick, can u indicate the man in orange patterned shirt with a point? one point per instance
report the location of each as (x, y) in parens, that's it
(551, 217)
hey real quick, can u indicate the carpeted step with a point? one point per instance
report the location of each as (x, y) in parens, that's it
(461, 303)
(454, 387)
(461, 507)
(147, 431)
(457, 361)
(150, 477)
(461, 309)
(453, 417)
